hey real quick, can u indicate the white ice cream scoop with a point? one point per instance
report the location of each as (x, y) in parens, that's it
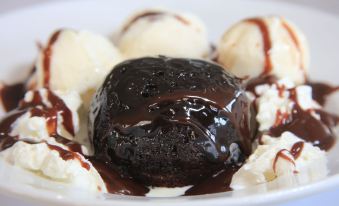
(158, 32)
(75, 61)
(265, 45)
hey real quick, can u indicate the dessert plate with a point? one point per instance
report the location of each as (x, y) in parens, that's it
(23, 28)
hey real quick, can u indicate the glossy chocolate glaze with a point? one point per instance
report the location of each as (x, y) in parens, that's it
(192, 108)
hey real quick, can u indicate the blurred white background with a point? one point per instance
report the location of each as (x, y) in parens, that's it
(328, 5)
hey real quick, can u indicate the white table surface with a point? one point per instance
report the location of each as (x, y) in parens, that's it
(326, 198)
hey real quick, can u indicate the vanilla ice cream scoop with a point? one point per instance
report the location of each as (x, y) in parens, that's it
(265, 45)
(157, 32)
(75, 61)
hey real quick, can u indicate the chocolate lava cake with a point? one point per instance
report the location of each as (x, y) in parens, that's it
(170, 121)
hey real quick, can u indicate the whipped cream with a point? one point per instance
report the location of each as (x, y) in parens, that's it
(35, 128)
(36, 148)
(274, 161)
(275, 105)
(44, 161)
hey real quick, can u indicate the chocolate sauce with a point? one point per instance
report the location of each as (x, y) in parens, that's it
(73, 146)
(304, 125)
(152, 16)
(7, 141)
(281, 154)
(59, 105)
(51, 112)
(37, 107)
(295, 151)
(69, 155)
(11, 95)
(296, 42)
(47, 54)
(266, 41)
(321, 90)
(219, 182)
(116, 184)
(50, 116)
(267, 44)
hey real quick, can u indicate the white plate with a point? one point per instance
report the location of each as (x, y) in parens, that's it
(21, 29)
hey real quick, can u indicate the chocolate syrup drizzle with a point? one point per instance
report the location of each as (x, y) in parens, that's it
(297, 149)
(282, 154)
(37, 107)
(304, 125)
(69, 155)
(47, 55)
(267, 43)
(301, 122)
(296, 42)
(152, 16)
(295, 152)
(50, 112)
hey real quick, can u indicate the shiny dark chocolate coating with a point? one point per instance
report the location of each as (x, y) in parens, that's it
(170, 122)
